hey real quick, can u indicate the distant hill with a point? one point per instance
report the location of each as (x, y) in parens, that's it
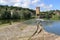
(21, 12)
(4, 7)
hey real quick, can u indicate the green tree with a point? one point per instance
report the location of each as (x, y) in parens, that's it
(16, 16)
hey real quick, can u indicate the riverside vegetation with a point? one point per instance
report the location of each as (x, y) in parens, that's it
(20, 13)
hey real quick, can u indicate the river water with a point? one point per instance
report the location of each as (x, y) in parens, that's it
(48, 25)
(52, 26)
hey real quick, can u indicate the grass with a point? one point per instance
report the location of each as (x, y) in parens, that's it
(7, 24)
(4, 25)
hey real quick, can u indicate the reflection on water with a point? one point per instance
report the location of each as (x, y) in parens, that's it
(52, 27)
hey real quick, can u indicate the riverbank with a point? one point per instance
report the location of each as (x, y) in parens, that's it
(22, 31)
(45, 36)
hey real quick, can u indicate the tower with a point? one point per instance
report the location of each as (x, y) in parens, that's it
(37, 11)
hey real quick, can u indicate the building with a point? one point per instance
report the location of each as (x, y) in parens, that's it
(57, 12)
(37, 12)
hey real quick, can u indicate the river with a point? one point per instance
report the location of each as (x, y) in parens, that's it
(49, 26)
(52, 27)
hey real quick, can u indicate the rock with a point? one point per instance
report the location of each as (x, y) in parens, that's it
(57, 38)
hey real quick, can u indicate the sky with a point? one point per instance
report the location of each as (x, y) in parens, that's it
(44, 5)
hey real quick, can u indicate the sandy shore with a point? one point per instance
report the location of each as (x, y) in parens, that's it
(21, 31)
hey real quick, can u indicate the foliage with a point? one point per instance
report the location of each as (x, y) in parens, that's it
(24, 13)
(50, 15)
(18, 13)
(55, 17)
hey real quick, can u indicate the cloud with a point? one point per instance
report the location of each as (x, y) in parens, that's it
(26, 3)
(46, 7)
(50, 5)
(17, 4)
(3, 2)
(35, 1)
(23, 3)
(42, 5)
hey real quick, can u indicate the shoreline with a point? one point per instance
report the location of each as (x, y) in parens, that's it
(46, 36)
(14, 33)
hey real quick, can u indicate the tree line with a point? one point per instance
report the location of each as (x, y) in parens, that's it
(18, 12)
(50, 15)
(11, 13)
